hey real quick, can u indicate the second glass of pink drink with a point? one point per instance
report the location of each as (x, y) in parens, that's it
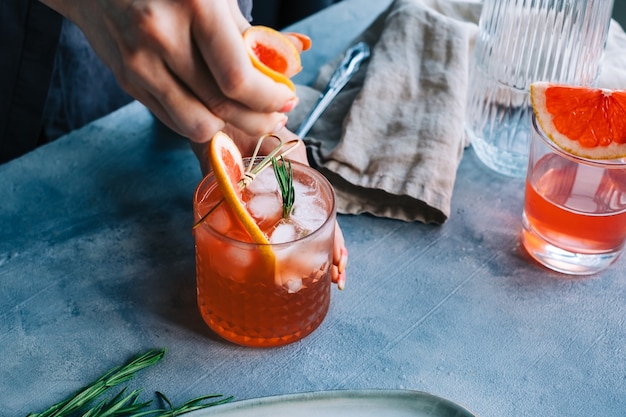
(574, 217)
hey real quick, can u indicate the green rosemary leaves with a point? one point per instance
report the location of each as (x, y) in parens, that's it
(83, 403)
(284, 176)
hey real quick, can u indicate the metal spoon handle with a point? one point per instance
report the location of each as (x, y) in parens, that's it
(348, 66)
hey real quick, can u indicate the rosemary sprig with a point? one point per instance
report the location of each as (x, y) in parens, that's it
(191, 405)
(111, 378)
(284, 176)
(122, 405)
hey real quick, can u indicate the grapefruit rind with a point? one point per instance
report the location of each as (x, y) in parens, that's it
(589, 117)
(302, 41)
(273, 53)
(223, 151)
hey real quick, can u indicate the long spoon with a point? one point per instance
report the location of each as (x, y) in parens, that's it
(348, 66)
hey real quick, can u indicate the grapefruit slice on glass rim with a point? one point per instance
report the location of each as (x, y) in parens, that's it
(585, 121)
(275, 54)
(228, 170)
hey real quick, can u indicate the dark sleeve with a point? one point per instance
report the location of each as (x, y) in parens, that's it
(81, 89)
(29, 32)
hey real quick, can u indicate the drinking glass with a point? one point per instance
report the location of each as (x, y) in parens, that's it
(574, 218)
(519, 42)
(273, 294)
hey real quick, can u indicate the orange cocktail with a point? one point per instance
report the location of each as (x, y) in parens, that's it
(266, 295)
(574, 208)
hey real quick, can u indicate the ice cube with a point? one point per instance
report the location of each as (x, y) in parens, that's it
(285, 231)
(231, 260)
(264, 182)
(287, 277)
(308, 262)
(294, 263)
(307, 188)
(242, 258)
(309, 213)
(265, 208)
(292, 284)
(219, 219)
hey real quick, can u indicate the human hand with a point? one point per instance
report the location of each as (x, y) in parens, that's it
(185, 60)
(246, 145)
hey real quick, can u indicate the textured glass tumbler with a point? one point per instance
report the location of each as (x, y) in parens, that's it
(519, 42)
(265, 295)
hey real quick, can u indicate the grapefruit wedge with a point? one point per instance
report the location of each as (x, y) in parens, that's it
(275, 54)
(584, 121)
(228, 170)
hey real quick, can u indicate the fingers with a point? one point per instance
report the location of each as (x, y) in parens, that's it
(148, 80)
(185, 93)
(239, 18)
(201, 150)
(223, 50)
(340, 259)
(186, 61)
(215, 67)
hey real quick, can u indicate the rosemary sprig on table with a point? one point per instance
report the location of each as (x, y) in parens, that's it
(111, 378)
(191, 405)
(121, 405)
(284, 176)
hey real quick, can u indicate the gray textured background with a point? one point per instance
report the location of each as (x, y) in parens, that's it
(97, 263)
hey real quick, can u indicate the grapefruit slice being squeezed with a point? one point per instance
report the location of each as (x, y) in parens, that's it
(275, 54)
(584, 121)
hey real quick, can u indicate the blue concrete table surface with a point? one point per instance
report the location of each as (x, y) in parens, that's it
(97, 263)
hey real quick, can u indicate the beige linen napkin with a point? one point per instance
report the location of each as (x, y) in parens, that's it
(392, 140)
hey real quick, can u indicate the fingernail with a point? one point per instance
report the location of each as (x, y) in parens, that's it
(290, 105)
(280, 125)
(343, 260)
(341, 281)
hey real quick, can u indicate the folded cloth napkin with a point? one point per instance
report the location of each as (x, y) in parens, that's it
(392, 140)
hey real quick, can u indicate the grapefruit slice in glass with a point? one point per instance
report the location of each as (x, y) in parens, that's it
(584, 121)
(228, 169)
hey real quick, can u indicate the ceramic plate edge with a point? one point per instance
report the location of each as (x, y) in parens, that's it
(303, 397)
